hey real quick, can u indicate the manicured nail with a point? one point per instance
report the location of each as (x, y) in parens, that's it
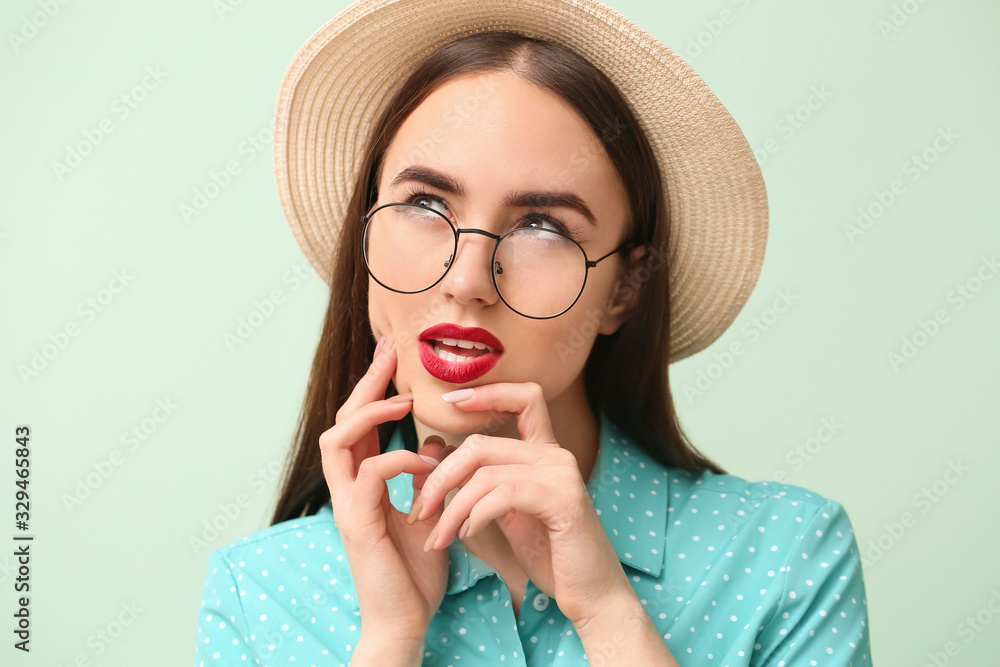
(464, 530)
(457, 395)
(430, 459)
(423, 508)
(431, 539)
(431, 439)
(411, 518)
(381, 342)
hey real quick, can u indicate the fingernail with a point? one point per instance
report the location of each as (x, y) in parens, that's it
(414, 511)
(430, 459)
(464, 530)
(446, 452)
(381, 342)
(433, 439)
(423, 507)
(457, 395)
(431, 539)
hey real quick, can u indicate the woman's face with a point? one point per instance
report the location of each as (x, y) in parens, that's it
(475, 144)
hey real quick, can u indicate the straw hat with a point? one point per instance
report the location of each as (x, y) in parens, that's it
(331, 92)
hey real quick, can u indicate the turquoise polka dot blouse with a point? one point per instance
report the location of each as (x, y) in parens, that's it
(731, 572)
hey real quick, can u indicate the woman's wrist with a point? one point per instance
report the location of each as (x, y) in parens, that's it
(381, 649)
(623, 632)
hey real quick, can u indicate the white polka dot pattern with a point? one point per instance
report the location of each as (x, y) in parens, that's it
(731, 572)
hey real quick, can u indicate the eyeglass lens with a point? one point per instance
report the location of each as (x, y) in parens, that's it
(538, 272)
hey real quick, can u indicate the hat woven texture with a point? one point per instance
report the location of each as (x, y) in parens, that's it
(333, 89)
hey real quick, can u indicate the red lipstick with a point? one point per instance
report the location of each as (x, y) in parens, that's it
(458, 354)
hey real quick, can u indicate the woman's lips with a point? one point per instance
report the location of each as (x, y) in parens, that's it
(458, 354)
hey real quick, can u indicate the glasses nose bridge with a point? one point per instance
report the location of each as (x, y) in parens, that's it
(472, 230)
(468, 281)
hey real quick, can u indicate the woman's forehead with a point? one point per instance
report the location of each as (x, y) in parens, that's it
(500, 129)
(497, 110)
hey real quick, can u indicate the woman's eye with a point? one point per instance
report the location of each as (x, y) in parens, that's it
(545, 222)
(429, 201)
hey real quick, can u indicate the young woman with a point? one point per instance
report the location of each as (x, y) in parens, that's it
(524, 211)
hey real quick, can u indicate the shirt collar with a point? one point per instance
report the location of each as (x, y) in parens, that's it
(628, 489)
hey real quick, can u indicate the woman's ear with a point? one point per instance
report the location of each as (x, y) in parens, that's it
(625, 293)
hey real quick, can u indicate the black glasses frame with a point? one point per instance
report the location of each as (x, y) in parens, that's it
(496, 269)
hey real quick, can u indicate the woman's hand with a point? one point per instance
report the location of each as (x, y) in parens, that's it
(535, 492)
(399, 585)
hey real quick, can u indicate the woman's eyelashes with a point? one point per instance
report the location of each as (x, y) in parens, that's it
(535, 219)
(542, 219)
(426, 200)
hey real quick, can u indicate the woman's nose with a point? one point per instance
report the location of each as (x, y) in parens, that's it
(469, 278)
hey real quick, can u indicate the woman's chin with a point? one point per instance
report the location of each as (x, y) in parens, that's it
(443, 417)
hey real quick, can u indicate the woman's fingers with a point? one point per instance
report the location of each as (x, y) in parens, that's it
(373, 474)
(372, 385)
(523, 399)
(433, 448)
(490, 494)
(357, 418)
(479, 451)
(341, 458)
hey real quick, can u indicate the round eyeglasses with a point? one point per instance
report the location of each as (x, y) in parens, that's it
(539, 273)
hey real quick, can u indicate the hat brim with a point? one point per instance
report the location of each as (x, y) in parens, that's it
(331, 93)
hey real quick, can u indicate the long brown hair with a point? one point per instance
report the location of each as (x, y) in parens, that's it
(626, 372)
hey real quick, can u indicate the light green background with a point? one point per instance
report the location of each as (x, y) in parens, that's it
(886, 97)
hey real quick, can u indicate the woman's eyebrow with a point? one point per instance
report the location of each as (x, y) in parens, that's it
(550, 199)
(432, 178)
(448, 184)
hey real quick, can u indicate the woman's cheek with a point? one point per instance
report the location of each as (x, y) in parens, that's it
(376, 316)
